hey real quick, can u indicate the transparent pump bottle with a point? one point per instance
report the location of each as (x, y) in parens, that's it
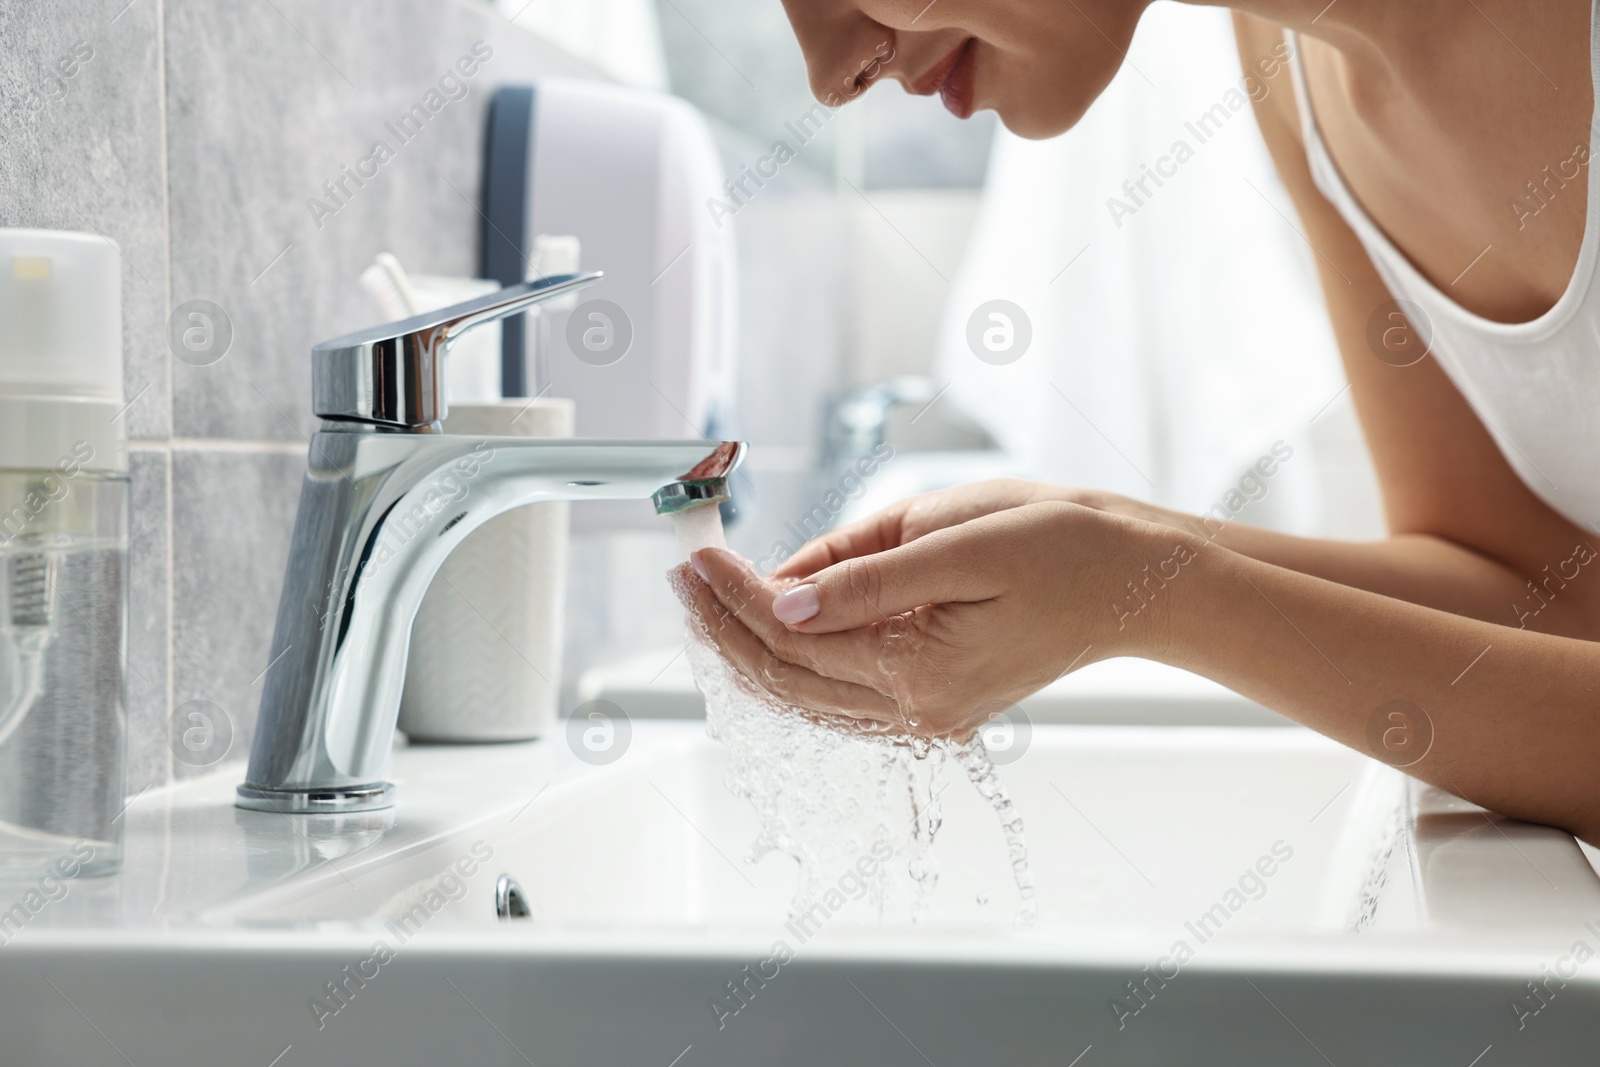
(64, 499)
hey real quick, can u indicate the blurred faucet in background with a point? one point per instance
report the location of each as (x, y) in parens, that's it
(858, 422)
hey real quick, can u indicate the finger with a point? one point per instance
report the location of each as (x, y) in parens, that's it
(942, 568)
(907, 520)
(851, 656)
(788, 682)
(875, 533)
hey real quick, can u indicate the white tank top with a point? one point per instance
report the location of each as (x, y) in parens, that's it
(1534, 385)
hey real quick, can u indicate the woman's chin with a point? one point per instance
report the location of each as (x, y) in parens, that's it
(1036, 120)
(1032, 125)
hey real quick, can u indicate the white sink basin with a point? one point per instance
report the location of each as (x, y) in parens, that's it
(1330, 912)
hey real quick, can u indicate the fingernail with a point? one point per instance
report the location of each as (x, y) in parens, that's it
(796, 605)
(699, 568)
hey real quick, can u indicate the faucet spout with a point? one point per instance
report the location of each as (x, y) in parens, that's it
(379, 514)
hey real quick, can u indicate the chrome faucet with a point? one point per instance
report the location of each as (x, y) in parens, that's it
(387, 496)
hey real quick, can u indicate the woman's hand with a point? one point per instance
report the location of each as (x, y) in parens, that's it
(936, 633)
(905, 521)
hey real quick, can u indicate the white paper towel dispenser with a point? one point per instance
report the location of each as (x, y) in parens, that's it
(648, 352)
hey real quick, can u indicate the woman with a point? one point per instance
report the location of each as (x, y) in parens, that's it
(1437, 155)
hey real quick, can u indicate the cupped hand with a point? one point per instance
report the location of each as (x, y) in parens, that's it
(935, 633)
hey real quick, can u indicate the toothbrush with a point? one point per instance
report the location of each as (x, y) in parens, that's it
(387, 282)
(29, 625)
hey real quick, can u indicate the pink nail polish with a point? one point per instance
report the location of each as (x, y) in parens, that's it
(699, 568)
(797, 605)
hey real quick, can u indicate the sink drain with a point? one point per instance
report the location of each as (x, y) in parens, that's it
(509, 900)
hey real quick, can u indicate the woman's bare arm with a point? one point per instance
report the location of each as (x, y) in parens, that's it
(1510, 719)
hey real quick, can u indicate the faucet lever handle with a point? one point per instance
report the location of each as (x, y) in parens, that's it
(391, 376)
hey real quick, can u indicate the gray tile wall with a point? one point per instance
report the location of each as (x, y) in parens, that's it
(81, 149)
(194, 136)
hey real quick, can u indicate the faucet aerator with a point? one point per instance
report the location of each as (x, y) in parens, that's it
(694, 493)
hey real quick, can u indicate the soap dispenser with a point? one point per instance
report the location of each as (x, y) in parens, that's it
(64, 499)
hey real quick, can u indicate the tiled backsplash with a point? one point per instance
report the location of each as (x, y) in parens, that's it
(194, 136)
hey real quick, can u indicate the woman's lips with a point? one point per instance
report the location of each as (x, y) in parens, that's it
(930, 82)
(951, 78)
(956, 91)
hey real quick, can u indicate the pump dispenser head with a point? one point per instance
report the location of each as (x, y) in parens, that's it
(60, 352)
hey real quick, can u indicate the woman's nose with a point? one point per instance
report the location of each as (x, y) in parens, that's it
(845, 50)
(846, 76)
